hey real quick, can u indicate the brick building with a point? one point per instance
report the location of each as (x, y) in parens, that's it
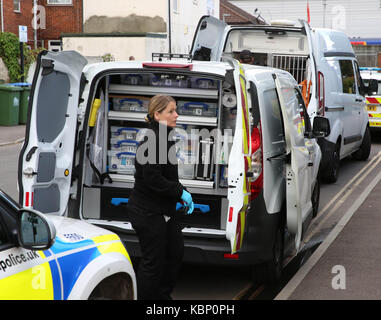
(53, 18)
(232, 14)
(17, 13)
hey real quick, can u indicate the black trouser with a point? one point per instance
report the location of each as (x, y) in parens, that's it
(162, 248)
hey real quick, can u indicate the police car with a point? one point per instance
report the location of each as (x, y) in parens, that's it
(372, 81)
(59, 258)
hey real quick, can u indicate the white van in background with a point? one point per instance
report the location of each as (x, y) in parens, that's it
(321, 60)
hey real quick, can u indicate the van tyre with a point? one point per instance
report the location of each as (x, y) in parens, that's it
(363, 153)
(271, 272)
(331, 173)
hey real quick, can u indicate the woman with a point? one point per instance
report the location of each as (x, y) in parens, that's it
(152, 205)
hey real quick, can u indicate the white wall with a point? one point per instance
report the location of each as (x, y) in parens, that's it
(123, 8)
(183, 20)
(357, 18)
(121, 48)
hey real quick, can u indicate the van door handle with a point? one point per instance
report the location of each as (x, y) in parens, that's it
(358, 100)
(282, 156)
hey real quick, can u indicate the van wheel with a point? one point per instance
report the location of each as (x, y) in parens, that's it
(271, 272)
(315, 197)
(364, 151)
(332, 172)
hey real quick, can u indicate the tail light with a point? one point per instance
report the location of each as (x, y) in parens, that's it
(256, 184)
(321, 94)
(167, 65)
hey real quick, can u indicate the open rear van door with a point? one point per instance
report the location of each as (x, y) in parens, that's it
(209, 39)
(239, 165)
(46, 159)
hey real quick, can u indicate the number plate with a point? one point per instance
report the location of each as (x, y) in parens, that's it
(372, 108)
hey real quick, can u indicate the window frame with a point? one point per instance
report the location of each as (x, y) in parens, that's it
(19, 6)
(354, 84)
(48, 2)
(305, 116)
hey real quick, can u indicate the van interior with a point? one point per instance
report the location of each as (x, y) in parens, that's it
(206, 105)
(273, 47)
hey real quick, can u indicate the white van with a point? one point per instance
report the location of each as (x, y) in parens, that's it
(321, 60)
(258, 188)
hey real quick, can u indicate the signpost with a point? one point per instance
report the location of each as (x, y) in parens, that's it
(23, 37)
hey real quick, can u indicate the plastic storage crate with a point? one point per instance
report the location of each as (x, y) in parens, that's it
(203, 83)
(194, 108)
(130, 104)
(124, 133)
(123, 145)
(163, 81)
(134, 79)
(121, 162)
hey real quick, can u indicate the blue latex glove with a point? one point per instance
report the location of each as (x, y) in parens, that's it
(187, 198)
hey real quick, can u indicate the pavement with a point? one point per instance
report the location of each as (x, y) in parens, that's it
(347, 265)
(11, 134)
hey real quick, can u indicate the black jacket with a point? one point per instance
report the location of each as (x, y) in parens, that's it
(157, 188)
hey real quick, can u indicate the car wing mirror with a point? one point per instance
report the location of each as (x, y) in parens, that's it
(35, 231)
(321, 127)
(372, 87)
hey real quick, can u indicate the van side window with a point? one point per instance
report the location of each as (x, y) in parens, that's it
(273, 118)
(347, 76)
(303, 113)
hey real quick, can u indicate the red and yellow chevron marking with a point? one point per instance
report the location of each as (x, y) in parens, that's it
(373, 100)
(246, 150)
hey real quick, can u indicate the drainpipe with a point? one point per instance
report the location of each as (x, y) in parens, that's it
(2, 16)
(35, 22)
(169, 27)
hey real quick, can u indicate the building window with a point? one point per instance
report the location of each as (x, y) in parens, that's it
(54, 45)
(60, 2)
(16, 6)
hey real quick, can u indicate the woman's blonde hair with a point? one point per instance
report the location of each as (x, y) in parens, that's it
(157, 103)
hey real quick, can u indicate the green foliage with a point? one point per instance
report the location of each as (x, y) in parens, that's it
(10, 53)
(107, 57)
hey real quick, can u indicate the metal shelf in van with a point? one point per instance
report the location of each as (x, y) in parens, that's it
(136, 116)
(187, 183)
(172, 91)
